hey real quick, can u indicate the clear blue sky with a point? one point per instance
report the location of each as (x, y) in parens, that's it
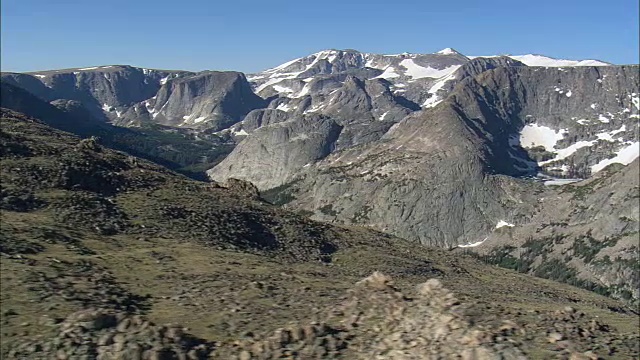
(249, 36)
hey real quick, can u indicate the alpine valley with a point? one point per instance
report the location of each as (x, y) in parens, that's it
(343, 160)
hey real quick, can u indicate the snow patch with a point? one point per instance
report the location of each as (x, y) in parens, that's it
(608, 136)
(154, 113)
(416, 71)
(370, 62)
(268, 83)
(539, 60)
(164, 80)
(434, 99)
(623, 156)
(299, 137)
(560, 182)
(603, 119)
(605, 136)
(534, 135)
(255, 77)
(283, 107)
(282, 89)
(503, 223)
(389, 73)
(240, 132)
(313, 109)
(283, 66)
(39, 76)
(305, 90)
(569, 93)
(199, 119)
(89, 68)
(473, 244)
(568, 151)
(635, 100)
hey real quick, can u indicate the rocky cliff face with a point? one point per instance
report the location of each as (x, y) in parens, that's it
(106, 91)
(435, 175)
(131, 96)
(182, 150)
(413, 182)
(278, 151)
(452, 174)
(564, 118)
(211, 99)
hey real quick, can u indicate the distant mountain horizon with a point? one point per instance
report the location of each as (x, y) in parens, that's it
(445, 51)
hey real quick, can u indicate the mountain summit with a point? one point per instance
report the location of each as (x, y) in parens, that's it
(448, 51)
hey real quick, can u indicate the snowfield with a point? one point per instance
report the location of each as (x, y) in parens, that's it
(473, 244)
(624, 156)
(533, 135)
(416, 71)
(502, 224)
(539, 60)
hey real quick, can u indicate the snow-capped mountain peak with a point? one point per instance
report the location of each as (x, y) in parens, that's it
(423, 79)
(290, 79)
(448, 51)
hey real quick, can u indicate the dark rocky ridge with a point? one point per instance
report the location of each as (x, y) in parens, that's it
(220, 99)
(127, 96)
(284, 149)
(177, 149)
(102, 90)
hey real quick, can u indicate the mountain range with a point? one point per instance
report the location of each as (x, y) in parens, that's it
(526, 161)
